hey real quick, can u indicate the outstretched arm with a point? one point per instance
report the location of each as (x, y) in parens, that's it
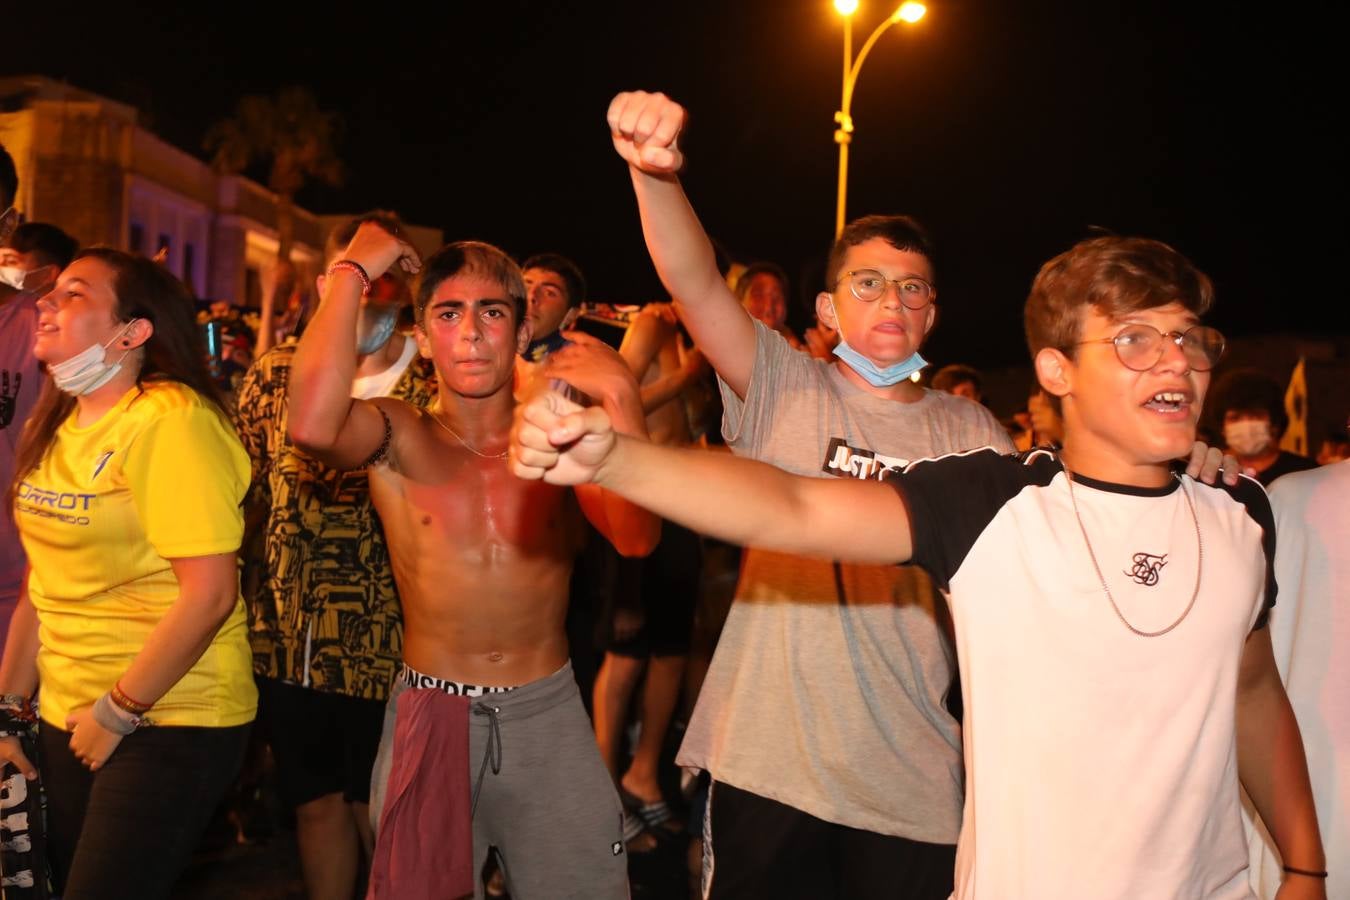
(646, 130)
(323, 419)
(738, 500)
(593, 368)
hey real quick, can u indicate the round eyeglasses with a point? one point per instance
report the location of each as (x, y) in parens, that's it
(1139, 347)
(868, 285)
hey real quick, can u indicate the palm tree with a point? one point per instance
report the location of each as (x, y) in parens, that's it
(297, 138)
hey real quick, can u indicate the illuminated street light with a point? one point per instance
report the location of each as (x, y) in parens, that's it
(908, 12)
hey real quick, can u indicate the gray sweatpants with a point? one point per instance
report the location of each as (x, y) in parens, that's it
(550, 809)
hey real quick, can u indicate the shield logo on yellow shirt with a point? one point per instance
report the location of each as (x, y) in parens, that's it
(102, 461)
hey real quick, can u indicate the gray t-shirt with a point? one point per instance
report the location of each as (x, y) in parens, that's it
(835, 705)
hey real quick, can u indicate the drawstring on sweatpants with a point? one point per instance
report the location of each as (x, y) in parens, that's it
(492, 753)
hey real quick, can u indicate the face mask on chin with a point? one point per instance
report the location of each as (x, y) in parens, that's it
(877, 376)
(1249, 437)
(374, 328)
(88, 370)
(12, 276)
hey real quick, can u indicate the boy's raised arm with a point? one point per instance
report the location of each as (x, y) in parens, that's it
(324, 419)
(646, 130)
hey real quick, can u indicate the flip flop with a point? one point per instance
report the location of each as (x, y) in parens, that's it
(634, 832)
(657, 817)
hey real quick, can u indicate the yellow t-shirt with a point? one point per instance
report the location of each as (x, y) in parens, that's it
(160, 476)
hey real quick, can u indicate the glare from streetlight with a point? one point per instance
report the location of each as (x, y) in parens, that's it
(910, 12)
(846, 7)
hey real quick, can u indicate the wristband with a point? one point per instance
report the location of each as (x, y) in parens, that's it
(1311, 873)
(351, 265)
(114, 718)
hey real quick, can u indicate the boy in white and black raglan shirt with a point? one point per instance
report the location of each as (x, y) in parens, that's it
(828, 680)
(1108, 610)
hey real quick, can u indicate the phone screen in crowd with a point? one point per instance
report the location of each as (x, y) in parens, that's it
(211, 330)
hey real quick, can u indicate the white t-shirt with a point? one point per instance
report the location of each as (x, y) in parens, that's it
(1099, 763)
(1310, 632)
(368, 387)
(836, 705)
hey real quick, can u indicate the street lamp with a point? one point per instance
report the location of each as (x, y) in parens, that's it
(909, 12)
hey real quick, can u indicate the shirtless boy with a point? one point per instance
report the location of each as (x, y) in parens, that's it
(482, 562)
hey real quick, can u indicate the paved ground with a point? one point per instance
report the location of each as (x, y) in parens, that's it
(266, 866)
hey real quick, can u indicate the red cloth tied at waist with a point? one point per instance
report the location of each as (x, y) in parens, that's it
(424, 849)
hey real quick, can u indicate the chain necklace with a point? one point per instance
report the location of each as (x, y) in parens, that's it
(1199, 562)
(467, 446)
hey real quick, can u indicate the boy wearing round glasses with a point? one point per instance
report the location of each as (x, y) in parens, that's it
(1110, 612)
(823, 720)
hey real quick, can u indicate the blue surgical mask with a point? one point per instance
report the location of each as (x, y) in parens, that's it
(374, 328)
(872, 373)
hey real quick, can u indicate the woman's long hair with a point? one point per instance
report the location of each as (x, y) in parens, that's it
(174, 352)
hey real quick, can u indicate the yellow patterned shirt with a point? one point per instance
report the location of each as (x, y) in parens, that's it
(158, 477)
(323, 607)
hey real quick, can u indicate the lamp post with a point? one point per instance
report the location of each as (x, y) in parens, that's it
(910, 12)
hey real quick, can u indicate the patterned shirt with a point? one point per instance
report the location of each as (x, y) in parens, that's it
(325, 613)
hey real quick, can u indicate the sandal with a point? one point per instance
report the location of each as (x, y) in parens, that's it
(657, 817)
(636, 838)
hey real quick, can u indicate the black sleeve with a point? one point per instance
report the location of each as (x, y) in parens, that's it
(1253, 497)
(952, 499)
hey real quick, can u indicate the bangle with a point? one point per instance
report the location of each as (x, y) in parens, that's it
(124, 700)
(351, 265)
(1311, 873)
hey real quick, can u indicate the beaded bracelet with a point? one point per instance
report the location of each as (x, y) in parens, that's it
(126, 701)
(351, 265)
(1309, 872)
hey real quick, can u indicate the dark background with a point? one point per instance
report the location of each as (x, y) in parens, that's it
(1011, 129)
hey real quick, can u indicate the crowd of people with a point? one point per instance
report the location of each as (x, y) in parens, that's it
(440, 555)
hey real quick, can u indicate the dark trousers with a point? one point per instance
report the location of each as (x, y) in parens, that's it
(755, 847)
(130, 828)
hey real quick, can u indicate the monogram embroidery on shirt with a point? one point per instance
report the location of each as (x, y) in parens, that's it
(1147, 568)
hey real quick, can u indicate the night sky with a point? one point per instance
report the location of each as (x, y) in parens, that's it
(1010, 128)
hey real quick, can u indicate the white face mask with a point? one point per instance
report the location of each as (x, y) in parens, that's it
(88, 370)
(12, 276)
(1248, 437)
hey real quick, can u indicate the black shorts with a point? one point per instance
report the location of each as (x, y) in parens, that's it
(323, 743)
(665, 587)
(755, 848)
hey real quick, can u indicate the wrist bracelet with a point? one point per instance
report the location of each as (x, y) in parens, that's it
(351, 265)
(121, 698)
(114, 718)
(1308, 872)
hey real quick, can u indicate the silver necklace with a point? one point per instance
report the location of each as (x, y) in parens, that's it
(1199, 563)
(467, 446)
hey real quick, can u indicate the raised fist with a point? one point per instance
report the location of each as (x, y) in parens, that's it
(646, 130)
(377, 251)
